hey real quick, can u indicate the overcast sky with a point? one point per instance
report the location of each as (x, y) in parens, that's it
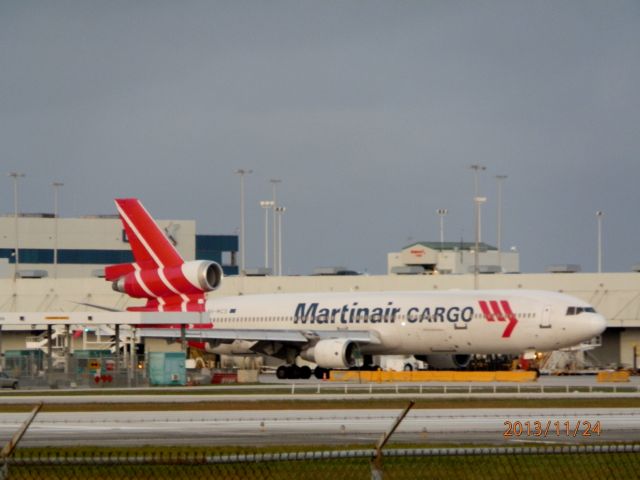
(369, 111)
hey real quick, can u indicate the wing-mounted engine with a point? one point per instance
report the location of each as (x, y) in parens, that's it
(331, 353)
(445, 362)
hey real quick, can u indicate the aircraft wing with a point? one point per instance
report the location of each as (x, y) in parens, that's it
(284, 336)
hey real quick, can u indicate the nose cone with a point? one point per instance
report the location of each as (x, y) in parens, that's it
(595, 325)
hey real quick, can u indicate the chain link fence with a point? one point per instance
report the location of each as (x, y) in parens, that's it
(85, 369)
(566, 462)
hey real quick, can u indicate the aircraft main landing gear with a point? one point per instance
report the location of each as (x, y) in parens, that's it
(293, 372)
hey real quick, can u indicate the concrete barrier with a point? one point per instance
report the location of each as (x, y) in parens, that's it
(431, 376)
(613, 376)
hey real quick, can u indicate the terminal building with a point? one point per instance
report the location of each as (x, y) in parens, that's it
(61, 261)
(82, 247)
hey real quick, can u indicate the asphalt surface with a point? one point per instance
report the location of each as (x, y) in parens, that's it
(331, 427)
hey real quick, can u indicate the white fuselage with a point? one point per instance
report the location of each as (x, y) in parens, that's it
(466, 322)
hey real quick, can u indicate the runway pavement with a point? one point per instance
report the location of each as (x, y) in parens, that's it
(492, 426)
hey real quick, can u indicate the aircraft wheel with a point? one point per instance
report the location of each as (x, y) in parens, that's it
(281, 372)
(305, 372)
(293, 372)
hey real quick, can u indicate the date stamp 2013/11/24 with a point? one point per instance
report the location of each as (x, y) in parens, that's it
(552, 428)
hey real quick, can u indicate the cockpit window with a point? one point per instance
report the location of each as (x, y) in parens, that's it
(579, 310)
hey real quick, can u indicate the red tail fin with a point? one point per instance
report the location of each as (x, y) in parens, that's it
(159, 273)
(148, 242)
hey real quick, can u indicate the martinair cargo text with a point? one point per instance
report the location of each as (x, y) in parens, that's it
(335, 330)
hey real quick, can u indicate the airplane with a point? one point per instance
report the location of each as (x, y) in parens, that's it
(340, 330)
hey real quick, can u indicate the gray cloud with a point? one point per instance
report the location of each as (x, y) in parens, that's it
(370, 112)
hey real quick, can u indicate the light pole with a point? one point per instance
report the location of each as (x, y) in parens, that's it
(266, 204)
(442, 212)
(280, 211)
(599, 215)
(242, 172)
(55, 186)
(274, 184)
(476, 171)
(479, 201)
(16, 176)
(500, 179)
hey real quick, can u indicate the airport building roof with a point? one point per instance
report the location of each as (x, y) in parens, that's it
(451, 258)
(455, 246)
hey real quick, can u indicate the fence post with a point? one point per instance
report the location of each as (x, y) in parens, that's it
(376, 462)
(11, 445)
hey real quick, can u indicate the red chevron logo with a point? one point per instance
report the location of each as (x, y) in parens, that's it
(494, 311)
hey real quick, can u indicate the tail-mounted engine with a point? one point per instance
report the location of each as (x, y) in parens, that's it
(169, 286)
